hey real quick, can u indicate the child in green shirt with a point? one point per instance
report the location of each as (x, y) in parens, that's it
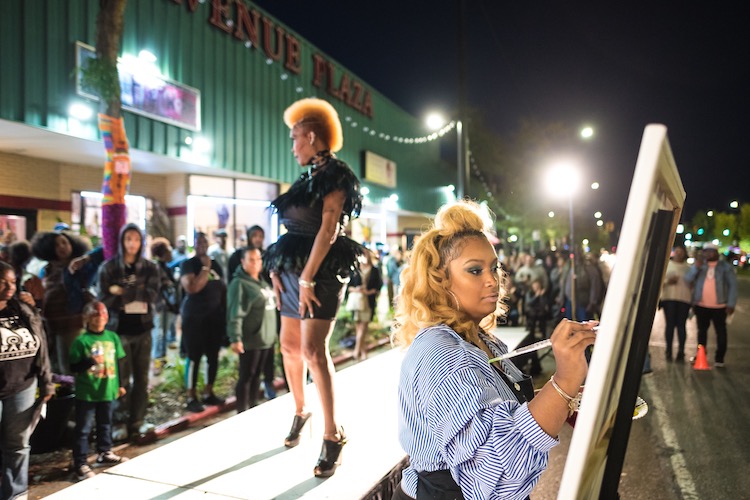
(94, 357)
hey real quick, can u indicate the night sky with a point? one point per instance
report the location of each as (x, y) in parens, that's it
(614, 67)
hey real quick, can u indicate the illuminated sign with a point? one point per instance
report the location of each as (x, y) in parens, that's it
(143, 90)
(379, 170)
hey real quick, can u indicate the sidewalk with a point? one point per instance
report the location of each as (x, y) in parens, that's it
(244, 457)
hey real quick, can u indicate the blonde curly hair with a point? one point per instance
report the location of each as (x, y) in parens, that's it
(424, 300)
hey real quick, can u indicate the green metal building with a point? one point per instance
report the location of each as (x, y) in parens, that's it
(205, 84)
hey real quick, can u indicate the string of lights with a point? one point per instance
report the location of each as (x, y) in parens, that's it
(385, 136)
(402, 140)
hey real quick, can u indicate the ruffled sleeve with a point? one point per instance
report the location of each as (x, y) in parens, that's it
(309, 189)
(291, 251)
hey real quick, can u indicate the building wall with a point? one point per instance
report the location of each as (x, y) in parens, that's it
(46, 186)
(244, 90)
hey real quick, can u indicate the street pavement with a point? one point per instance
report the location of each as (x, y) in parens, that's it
(694, 443)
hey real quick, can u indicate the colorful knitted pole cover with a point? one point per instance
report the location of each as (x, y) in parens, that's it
(116, 182)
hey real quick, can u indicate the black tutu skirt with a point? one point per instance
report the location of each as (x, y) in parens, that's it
(291, 251)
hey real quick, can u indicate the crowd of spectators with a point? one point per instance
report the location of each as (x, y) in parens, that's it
(107, 326)
(221, 298)
(541, 292)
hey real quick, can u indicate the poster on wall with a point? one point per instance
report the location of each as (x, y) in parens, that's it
(146, 92)
(12, 228)
(379, 170)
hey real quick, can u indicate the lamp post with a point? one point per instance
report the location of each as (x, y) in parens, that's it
(461, 161)
(435, 121)
(562, 180)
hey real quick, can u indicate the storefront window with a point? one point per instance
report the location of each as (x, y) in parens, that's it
(87, 213)
(208, 213)
(233, 205)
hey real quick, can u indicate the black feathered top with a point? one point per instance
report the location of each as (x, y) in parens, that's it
(301, 211)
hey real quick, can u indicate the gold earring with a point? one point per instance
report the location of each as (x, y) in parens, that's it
(458, 304)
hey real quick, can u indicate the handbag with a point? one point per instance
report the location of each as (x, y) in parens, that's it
(355, 302)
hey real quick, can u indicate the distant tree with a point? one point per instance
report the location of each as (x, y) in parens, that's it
(702, 221)
(724, 220)
(743, 227)
(514, 168)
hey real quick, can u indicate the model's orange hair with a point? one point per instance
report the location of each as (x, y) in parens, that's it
(319, 116)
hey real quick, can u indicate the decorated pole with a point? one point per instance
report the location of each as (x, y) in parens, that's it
(102, 75)
(116, 182)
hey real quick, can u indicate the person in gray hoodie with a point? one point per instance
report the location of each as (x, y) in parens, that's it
(129, 286)
(251, 324)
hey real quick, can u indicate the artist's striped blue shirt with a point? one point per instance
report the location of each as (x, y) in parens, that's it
(457, 413)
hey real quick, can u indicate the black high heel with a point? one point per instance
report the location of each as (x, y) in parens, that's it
(330, 456)
(292, 439)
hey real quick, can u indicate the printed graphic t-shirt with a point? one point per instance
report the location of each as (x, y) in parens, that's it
(18, 348)
(101, 381)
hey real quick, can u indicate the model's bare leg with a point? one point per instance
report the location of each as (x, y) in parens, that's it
(294, 364)
(315, 336)
(360, 345)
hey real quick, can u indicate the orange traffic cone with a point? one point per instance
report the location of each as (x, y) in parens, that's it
(701, 363)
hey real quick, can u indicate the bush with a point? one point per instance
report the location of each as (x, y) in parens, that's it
(173, 377)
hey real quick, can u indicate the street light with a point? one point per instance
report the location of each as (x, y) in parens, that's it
(436, 121)
(734, 204)
(563, 180)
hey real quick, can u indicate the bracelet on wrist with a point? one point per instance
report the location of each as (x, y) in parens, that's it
(573, 401)
(305, 283)
(205, 268)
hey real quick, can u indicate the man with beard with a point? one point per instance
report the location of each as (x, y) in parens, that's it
(714, 297)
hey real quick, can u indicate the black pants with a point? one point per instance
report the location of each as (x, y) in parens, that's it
(135, 364)
(252, 362)
(675, 314)
(202, 336)
(398, 494)
(705, 317)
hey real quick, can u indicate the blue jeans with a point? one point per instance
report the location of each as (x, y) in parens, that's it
(581, 314)
(162, 333)
(85, 412)
(15, 417)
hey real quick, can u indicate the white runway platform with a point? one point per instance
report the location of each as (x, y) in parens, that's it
(244, 456)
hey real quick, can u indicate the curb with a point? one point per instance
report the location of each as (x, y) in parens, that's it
(181, 423)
